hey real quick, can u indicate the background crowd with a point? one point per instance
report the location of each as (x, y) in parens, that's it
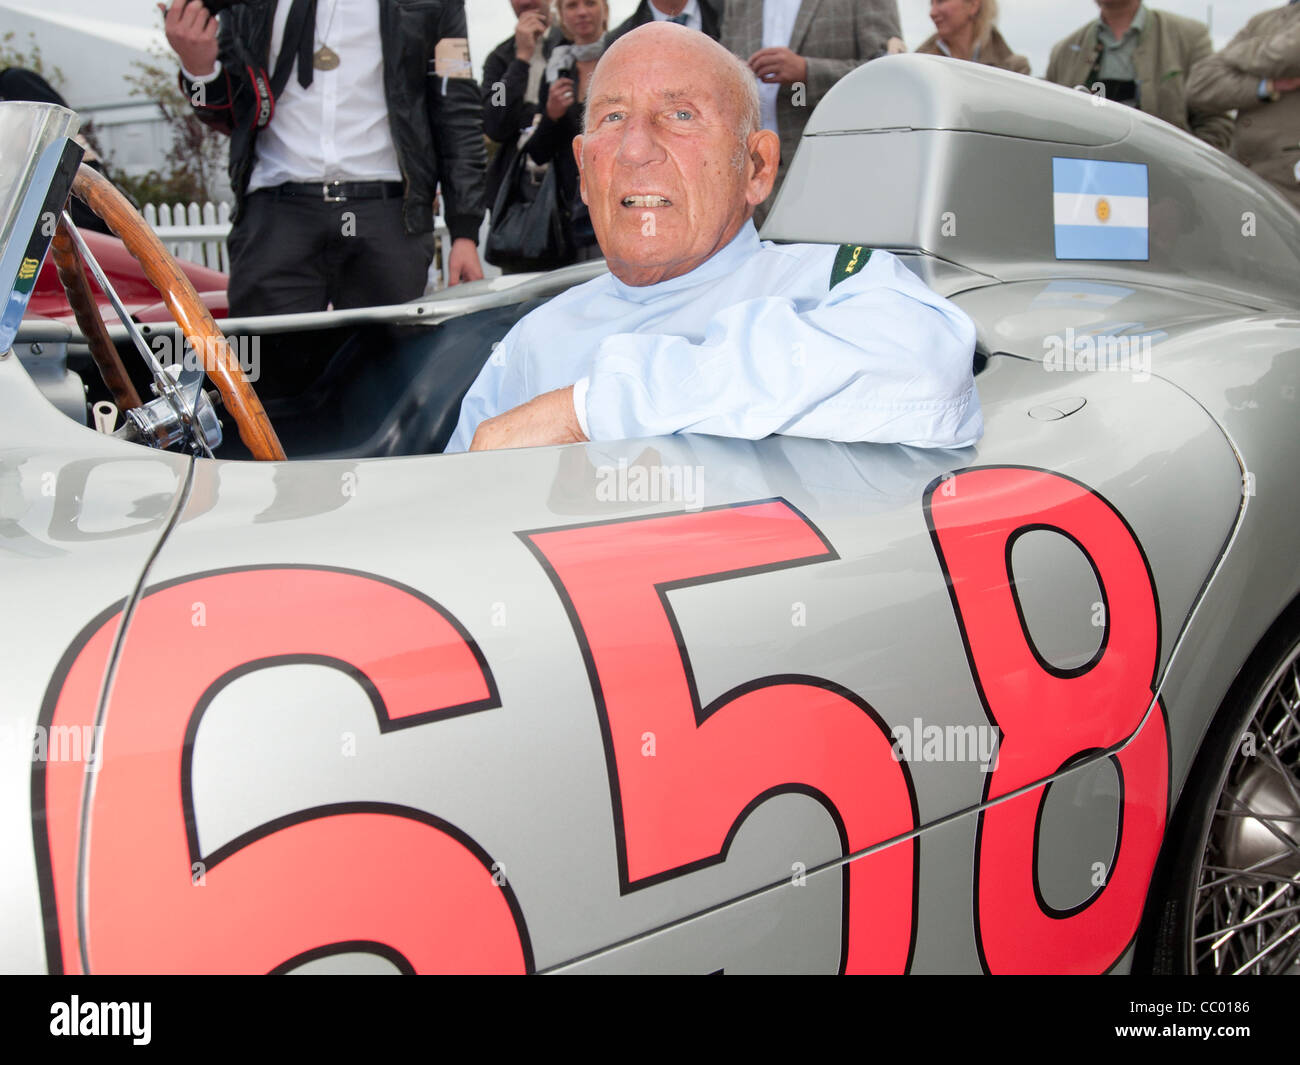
(385, 137)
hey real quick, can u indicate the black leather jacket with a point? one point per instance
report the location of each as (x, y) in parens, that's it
(437, 123)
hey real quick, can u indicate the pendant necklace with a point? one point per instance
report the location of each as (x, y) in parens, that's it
(325, 58)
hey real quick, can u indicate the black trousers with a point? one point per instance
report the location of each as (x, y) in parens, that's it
(291, 254)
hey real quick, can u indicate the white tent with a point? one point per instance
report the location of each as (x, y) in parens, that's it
(94, 52)
(94, 55)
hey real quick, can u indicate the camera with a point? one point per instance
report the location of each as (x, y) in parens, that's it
(216, 6)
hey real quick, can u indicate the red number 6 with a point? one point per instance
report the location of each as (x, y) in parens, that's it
(375, 877)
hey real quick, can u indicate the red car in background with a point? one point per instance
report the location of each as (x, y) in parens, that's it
(124, 273)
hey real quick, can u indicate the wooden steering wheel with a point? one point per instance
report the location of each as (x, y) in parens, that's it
(194, 319)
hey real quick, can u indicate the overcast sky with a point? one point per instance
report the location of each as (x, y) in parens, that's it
(1031, 27)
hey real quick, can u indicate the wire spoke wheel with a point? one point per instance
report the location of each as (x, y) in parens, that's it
(1245, 903)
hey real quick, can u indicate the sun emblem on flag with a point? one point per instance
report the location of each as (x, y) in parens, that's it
(1103, 209)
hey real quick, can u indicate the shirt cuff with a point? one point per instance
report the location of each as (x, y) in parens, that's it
(580, 387)
(206, 77)
(465, 225)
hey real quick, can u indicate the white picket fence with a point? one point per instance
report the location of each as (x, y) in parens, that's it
(192, 231)
(197, 233)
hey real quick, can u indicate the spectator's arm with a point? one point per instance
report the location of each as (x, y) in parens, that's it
(1231, 78)
(456, 118)
(1215, 85)
(553, 136)
(210, 95)
(1215, 127)
(504, 85)
(1265, 55)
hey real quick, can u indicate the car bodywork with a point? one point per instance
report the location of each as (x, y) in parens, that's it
(685, 704)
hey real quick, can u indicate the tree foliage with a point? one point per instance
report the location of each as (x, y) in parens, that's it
(197, 155)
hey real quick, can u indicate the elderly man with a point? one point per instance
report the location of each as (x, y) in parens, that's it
(699, 326)
(1143, 58)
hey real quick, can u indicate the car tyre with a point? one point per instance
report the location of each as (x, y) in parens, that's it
(1231, 897)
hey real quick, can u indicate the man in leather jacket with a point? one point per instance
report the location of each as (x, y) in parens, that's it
(345, 117)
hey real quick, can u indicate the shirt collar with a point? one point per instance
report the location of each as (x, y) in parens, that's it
(727, 260)
(1138, 24)
(692, 6)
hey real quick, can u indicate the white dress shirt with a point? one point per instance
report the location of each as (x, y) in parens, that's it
(761, 338)
(778, 26)
(694, 20)
(337, 128)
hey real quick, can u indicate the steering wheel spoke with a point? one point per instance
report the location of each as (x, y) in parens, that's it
(188, 311)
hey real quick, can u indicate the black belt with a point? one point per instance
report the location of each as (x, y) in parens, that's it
(338, 191)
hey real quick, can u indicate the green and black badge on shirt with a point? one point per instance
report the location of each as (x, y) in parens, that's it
(850, 259)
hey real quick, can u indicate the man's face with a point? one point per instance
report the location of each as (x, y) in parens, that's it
(669, 7)
(665, 175)
(522, 7)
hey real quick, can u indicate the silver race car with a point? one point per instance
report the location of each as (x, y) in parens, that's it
(684, 704)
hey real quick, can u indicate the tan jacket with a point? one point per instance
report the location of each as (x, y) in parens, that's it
(834, 36)
(1268, 132)
(1167, 50)
(995, 52)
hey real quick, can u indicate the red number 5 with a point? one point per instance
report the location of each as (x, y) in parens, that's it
(677, 811)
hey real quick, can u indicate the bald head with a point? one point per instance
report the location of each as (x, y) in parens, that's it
(672, 160)
(702, 54)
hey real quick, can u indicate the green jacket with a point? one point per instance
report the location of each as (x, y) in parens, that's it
(1167, 50)
(1268, 131)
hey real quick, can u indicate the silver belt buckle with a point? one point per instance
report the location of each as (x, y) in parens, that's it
(325, 191)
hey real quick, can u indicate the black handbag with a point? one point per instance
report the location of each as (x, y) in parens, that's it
(530, 226)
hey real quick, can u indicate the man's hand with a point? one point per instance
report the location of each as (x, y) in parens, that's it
(462, 263)
(559, 96)
(895, 46)
(192, 33)
(778, 66)
(548, 419)
(528, 31)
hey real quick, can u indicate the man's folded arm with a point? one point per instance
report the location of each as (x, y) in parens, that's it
(878, 358)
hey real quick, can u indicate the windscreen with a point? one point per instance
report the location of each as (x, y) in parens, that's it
(38, 161)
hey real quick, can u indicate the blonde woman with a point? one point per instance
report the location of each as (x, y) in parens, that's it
(563, 90)
(967, 29)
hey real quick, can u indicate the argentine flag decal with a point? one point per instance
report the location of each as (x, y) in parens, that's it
(1099, 209)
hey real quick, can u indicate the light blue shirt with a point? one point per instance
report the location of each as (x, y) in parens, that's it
(752, 342)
